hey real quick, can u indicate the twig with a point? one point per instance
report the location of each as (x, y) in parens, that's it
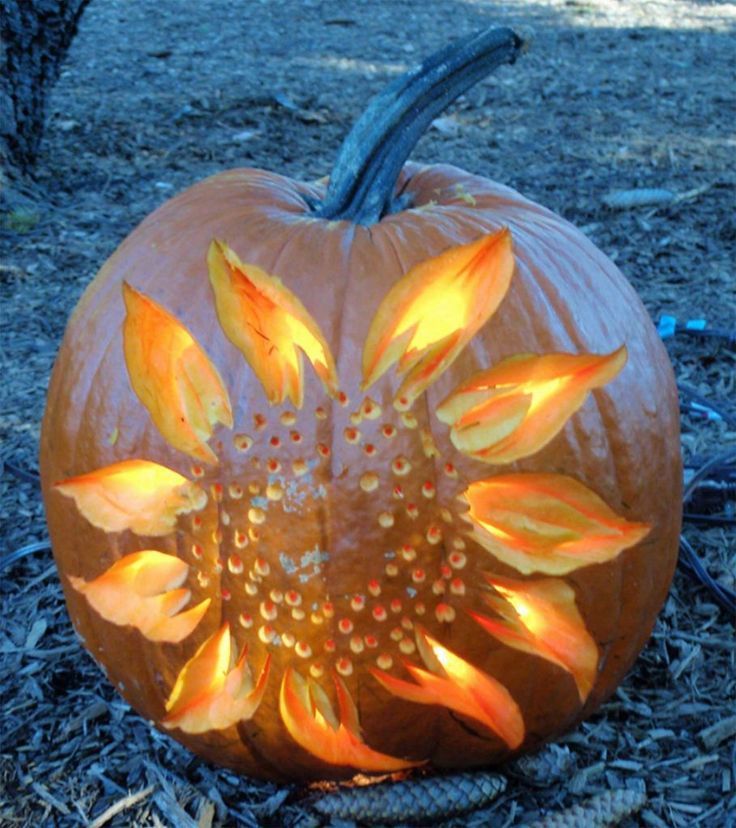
(121, 805)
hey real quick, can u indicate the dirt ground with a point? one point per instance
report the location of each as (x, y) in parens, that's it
(613, 96)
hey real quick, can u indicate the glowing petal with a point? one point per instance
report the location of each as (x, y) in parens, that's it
(269, 325)
(136, 494)
(540, 617)
(546, 523)
(173, 377)
(458, 685)
(210, 692)
(516, 408)
(432, 312)
(141, 590)
(310, 719)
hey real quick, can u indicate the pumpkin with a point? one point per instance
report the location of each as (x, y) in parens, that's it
(367, 475)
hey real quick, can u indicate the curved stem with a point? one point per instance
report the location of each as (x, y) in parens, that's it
(368, 164)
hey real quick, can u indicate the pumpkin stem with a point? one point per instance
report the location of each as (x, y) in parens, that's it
(363, 180)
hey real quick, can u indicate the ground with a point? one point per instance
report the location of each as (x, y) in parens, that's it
(612, 96)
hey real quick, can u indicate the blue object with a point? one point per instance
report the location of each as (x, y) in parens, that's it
(666, 326)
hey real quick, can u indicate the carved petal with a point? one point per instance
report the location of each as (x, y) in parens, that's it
(516, 408)
(210, 692)
(173, 377)
(432, 312)
(141, 590)
(135, 494)
(540, 617)
(269, 325)
(310, 719)
(547, 523)
(458, 685)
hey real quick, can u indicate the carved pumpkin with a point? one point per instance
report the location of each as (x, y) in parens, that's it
(341, 482)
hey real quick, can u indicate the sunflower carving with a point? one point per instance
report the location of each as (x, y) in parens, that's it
(497, 548)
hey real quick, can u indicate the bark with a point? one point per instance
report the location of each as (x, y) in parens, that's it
(35, 36)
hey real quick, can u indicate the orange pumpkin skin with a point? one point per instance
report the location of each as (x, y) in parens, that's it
(327, 539)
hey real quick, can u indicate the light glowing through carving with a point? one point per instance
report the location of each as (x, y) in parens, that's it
(138, 495)
(173, 376)
(455, 683)
(540, 617)
(141, 590)
(213, 693)
(405, 479)
(311, 721)
(269, 325)
(514, 409)
(432, 312)
(547, 523)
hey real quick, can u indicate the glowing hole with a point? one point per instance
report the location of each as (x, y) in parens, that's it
(323, 450)
(303, 650)
(408, 553)
(266, 633)
(242, 442)
(274, 491)
(386, 520)
(293, 598)
(379, 613)
(457, 586)
(235, 564)
(352, 435)
(256, 515)
(434, 535)
(400, 466)
(369, 482)
(444, 613)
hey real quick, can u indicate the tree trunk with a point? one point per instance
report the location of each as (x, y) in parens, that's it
(35, 36)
